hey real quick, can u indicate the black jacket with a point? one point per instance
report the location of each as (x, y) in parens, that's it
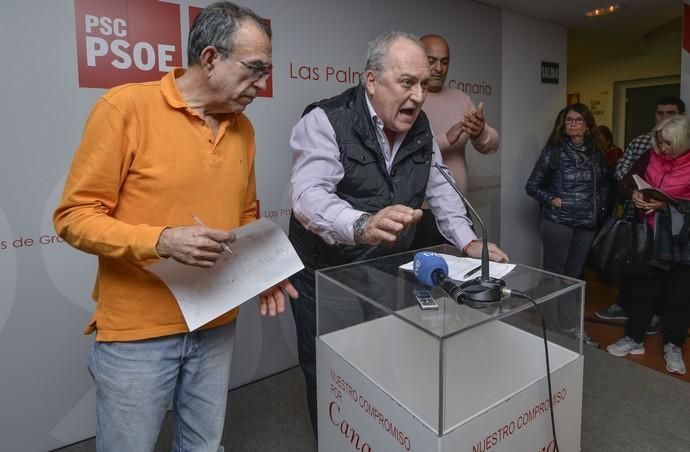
(580, 181)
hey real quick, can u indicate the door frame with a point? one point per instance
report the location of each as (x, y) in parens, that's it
(620, 90)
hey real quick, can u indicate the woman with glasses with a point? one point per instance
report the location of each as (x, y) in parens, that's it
(570, 183)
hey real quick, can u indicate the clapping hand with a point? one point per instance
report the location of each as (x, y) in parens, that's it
(474, 121)
(472, 124)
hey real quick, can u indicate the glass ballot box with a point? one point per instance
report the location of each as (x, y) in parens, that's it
(393, 376)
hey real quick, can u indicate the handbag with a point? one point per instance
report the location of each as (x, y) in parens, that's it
(623, 247)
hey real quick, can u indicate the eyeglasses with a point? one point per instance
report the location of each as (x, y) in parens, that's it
(257, 70)
(578, 120)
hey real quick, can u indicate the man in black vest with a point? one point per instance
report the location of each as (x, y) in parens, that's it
(361, 170)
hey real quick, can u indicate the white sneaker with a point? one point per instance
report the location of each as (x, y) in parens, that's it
(626, 346)
(674, 359)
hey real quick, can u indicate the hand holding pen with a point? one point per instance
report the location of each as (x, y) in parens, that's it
(194, 245)
(225, 245)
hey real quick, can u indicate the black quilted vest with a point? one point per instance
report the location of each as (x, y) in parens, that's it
(367, 186)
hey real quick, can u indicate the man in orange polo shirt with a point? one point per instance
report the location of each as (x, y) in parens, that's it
(152, 155)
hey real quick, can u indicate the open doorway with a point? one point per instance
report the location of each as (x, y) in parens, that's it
(635, 102)
(640, 107)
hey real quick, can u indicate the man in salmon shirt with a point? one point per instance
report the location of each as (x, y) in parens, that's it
(153, 155)
(456, 121)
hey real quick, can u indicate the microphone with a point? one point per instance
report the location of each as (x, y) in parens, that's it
(483, 289)
(431, 269)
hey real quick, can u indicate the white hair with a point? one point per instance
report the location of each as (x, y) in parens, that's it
(378, 49)
(676, 130)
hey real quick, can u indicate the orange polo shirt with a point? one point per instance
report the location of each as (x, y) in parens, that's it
(147, 161)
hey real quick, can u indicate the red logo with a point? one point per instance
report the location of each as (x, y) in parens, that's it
(124, 41)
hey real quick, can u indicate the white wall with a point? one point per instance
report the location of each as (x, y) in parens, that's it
(685, 56)
(528, 109)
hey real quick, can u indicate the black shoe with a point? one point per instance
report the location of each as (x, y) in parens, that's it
(654, 326)
(613, 312)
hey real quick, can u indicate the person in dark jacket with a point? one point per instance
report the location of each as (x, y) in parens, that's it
(666, 167)
(570, 183)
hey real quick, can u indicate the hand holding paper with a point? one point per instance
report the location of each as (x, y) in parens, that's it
(262, 259)
(272, 300)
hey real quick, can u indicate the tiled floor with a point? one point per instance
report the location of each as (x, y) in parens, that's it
(600, 296)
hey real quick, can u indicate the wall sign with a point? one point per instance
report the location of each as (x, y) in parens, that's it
(549, 72)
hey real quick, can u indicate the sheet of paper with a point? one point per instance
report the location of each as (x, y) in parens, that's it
(458, 267)
(263, 256)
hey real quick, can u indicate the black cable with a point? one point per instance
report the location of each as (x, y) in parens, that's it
(518, 294)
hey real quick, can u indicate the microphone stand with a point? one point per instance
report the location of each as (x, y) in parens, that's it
(483, 289)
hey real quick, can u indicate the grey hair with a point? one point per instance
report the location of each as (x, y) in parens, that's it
(675, 129)
(216, 25)
(378, 49)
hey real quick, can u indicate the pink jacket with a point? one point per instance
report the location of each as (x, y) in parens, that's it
(672, 175)
(669, 174)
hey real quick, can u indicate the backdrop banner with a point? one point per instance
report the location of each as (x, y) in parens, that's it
(60, 57)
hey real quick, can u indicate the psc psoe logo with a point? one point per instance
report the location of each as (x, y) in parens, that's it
(125, 41)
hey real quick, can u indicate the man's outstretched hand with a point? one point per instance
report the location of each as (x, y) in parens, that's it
(388, 223)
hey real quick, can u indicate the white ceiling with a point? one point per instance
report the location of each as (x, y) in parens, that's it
(571, 13)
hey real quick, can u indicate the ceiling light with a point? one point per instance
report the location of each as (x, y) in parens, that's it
(603, 11)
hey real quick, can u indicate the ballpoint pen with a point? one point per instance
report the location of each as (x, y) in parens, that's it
(472, 272)
(201, 223)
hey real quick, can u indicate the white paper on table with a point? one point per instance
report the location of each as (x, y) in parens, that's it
(459, 266)
(262, 257)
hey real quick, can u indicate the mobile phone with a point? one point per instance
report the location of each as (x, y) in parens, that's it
(425, 299)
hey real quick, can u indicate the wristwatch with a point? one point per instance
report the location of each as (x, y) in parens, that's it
(358, 227)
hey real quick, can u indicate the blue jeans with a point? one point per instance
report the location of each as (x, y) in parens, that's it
(138, 381)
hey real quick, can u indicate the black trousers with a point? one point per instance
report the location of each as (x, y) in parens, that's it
(565, 252)
(304, 313)
(337, 310)
(625, 295)
(676, 300)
